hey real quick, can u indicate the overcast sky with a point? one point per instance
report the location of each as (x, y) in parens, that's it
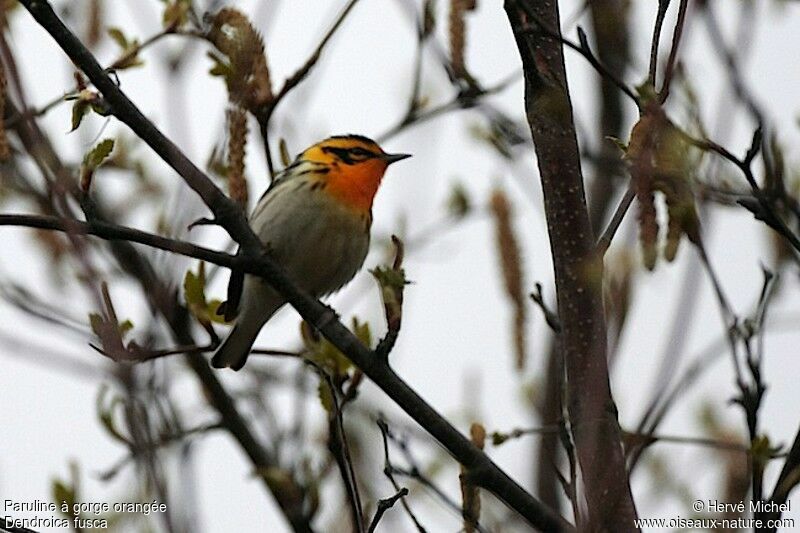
(454, 348)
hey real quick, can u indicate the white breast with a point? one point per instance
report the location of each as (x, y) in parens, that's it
(321, 244)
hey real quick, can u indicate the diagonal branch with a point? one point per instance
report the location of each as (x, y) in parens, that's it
(303, 71)
(265, 113)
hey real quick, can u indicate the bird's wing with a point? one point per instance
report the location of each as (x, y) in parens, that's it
(230, 307)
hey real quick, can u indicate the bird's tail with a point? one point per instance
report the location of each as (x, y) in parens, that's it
(233, 351)
(259, 303)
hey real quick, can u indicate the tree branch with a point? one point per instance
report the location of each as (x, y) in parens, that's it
(593, 415)
(788, 479)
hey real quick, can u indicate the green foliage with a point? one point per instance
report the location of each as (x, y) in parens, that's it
(176, 13)
(99, 326)
(330, 360)
(66, 491)
(130, 49)
(762, 451)
(646, 92)
(328, 357)
(92, 160)
(95, 157)
(325, 395)
(623, 147)
(389, 278)
(220, 67)
(85, 101)
(459, 203)
(499, 438)
(194, 291)
(106, 405)
(79, 110)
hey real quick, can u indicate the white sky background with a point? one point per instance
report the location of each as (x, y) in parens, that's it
(454, 348)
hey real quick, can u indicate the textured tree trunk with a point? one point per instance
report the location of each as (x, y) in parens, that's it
(578, 272)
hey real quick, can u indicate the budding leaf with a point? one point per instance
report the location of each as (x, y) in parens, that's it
(176, 13)
(93, 159)
(79, 110)
(105, 412)
(96, 323)
(220, 67)
(362, 332)
(99, 153)
(194, 289)
(325, 395)
(459, 204)
(63, 493)
(499, 438)
(389, 277)
(286, 159)
(619, 142)
(119, 38)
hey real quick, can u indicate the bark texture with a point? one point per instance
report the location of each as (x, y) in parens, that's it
(578, 273)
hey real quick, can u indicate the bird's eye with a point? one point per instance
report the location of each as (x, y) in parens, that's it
(361, 152)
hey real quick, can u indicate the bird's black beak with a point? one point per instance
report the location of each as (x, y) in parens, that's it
(394, 158)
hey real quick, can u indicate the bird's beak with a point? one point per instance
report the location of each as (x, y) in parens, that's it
(394, 158)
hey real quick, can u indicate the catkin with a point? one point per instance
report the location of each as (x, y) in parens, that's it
(249, 82)
(237, 139)
(94, 27)
(471, 498)
(640, 154)
(457, 35)
(511, 262)
(659, 161)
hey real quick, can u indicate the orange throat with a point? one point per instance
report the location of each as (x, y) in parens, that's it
(356, 186)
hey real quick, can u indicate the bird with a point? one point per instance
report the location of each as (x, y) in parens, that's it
(314, 220)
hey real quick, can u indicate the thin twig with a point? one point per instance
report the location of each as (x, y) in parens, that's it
(767, 213)
(635, 438)
(114, 232)
(663, 5)
(264, 115)
(303, 71)
(613, 225)
(673, 53)
(392, 283)
(141, 355)
(582, 48)
(729, 318)
(54, 102)
(730, 61)
(340, 449)
(389, 471)
(788, 479)
(550, 316)
(462, 100)
(384, 505)
(414, 472)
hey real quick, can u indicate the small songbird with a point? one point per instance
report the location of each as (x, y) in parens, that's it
(315, 221)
